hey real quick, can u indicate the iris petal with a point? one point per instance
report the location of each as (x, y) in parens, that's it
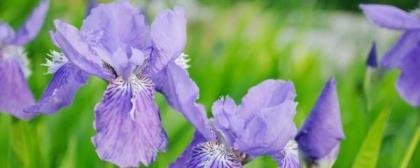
(182, 93)
(185, 157)
(33, 24)
(390, 17)
(263, 123)
(403, 46)
(408, 84)
(268, 131)
(61, 89)
(169, 37)
(288, 157)
(116, 25)
(213, 155)
(6, 33)
(74, 47)
(267, 94)
(225, 118)
(128, 126)
(15, 93)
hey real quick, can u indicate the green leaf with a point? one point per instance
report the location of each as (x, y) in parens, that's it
(369, 151)
(69, 157)
(411, 148)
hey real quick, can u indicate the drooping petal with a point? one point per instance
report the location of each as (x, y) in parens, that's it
(15, 93)
(185, 157)
(77, 50)
(169, 37)
(116, 25)
(408, 84)
(18, 54)
(322, 130)
(182, 93)
(33, 24)
(372, 57)
(61, 89)
(6, 33)
(128, 125)
(390, 17)
(213, 155)
(268, 131)
(289, 156)
(403, 46)
(225, 118)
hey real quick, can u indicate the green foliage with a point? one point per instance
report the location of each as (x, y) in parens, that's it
(369, 151)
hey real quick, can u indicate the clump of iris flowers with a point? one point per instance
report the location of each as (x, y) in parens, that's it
(261, 125)
(116, 44)
(405, 54)
(15, 93)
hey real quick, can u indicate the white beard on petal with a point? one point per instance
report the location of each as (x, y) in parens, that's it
(55, 61)
(182, 61)
(18, 53)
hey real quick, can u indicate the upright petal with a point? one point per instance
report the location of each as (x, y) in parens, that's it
(268, 131)
(225, 118)
(267, 94)
(263, 123)
(6, 33)
(116, 25)
(404, 45)
(78, 51)
(390, 17)
(128, 125)
(169, 37)
(182, 93)
(15, 93)
(185, 157)
(61, 89)
(32, 25)
(322, 130)
(408, 84)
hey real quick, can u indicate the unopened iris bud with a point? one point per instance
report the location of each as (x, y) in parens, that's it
(372, 57)
(320, 136)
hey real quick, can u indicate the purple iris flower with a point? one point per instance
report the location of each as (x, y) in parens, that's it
(15, 93)
(405, 53)
(261, 125)
(116, 44)
(320, 136)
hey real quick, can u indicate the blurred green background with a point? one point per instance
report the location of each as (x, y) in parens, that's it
(234, 45)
